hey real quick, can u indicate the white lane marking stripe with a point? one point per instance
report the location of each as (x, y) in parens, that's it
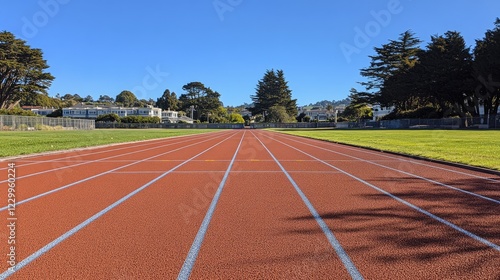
(92, 161)
(99, 175)
(344, 257)
(414, 207)
(222, 171)
(398, 158)
(188, 265)
(74, 230)
(407, 173)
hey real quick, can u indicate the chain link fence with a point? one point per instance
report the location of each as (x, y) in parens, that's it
(169, 125)
(292, 125)
(448, 123)
(11, 123)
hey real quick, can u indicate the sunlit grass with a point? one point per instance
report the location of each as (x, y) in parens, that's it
(13, 143)
(478, 148)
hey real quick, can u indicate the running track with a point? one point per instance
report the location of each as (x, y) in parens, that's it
(249, 205)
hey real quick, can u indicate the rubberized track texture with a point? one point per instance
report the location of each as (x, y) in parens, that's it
(247, 204)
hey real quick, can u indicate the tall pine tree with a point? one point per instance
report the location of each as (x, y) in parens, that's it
(273, 91)
(396, 57)
(168, 101)
(443, 75)
(487, 71)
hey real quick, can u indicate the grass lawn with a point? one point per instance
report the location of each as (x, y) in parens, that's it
(472, 147)
(13, 143)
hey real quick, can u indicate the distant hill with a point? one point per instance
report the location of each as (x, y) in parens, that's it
(323, 103)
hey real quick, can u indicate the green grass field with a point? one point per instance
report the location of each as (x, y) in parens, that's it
(477, 148)
(13, 143)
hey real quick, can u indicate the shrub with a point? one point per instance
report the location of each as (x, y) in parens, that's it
(18, 112)
(56, 114)
(140, 119)
(108, 118)
(427, 112)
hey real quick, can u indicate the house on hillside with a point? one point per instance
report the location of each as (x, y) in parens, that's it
(379, 111)
(39, 110)
(317, 113)
(170, 116)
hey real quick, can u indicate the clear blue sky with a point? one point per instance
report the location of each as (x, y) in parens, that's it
(104, 47)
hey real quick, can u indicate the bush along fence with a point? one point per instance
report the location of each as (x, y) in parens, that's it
(10, 123)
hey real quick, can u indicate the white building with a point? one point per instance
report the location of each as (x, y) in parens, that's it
(174, 117)
(379, 111)
(39, 110)
(92, 112)
(317, 113)
(340, 108)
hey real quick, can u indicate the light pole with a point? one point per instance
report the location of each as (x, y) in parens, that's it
(192, 110)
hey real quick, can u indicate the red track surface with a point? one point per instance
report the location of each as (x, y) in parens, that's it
(394, 218)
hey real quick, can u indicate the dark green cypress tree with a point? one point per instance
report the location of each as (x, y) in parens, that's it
(272, 90)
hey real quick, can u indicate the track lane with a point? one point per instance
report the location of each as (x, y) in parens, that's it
(53, 214)
(401, 162)
(141, 225)
(263, 231)
(60, 163)
(101, 150)
(470, 212)
(251, 235)
(379, 230)
(44, 185)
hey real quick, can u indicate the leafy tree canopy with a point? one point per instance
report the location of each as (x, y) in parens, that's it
(397, 56)
(22, 71)
(168, 101)
(127, 99)
(486, 70)
(203, 99)
(278, 114)
(106, 99)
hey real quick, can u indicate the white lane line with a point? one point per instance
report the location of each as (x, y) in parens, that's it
(414, 207)
(344, 257)
(407, 173)
(32, 161)
(188, 265)
(222, 171)
(93, 161)
(101, 174)
(74, 230)
(398, 158)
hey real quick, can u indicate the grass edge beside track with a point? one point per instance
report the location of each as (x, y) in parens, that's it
(492, 168)
(29, 143)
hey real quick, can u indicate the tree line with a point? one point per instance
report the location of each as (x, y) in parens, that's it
(25, 81)
(444, 79)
